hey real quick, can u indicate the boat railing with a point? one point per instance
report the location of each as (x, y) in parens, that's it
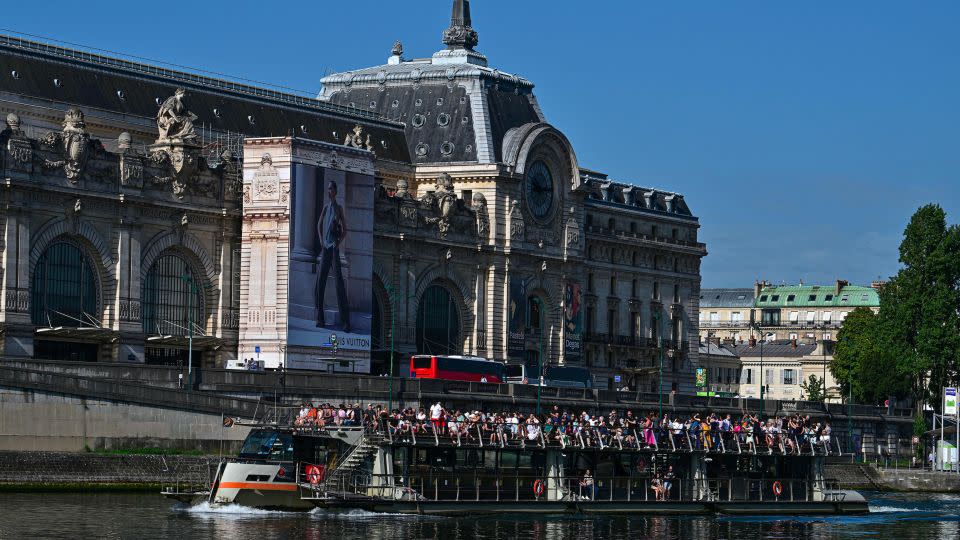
(464, 486)
(479, 434)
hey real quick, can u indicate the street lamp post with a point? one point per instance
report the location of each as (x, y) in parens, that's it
(659, 326)
(393, 331)
(539, 302)
(823, 354)
(192, 290)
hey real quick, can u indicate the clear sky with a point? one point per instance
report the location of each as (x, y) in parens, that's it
(803, 134)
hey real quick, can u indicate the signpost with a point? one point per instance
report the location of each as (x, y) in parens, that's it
(950, 408)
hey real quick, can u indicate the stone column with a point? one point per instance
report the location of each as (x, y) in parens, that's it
(18, 335)
(305, 207)
(127, 299)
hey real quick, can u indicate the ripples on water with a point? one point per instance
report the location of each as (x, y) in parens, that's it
(145, 516)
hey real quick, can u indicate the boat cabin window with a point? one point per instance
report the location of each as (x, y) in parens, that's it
(269, 445)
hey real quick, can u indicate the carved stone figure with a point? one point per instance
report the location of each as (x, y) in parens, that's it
(445, 201)
(18, 146)
(266, 181)
(573, 231)
(174, 121)
(517, 227)
(403, 188)
(131, 163)
(483, 218)
(74, 142)
(355, 139)
(397, 49)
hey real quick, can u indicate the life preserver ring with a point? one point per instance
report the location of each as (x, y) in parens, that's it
(227, 421)
(777, 488)
(538, 487)
(313, 473)
(641, 465)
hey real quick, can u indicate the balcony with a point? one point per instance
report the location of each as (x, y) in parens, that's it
(619, 340)
(724, 324)
(626, 235)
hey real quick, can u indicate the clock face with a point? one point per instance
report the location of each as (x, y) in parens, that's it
(539, 189)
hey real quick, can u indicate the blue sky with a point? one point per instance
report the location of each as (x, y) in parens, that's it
(804, 134)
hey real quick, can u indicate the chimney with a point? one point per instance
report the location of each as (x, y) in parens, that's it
(793, 343)
(841, 283)
(753, 341)
(877, 285)
(758, 286)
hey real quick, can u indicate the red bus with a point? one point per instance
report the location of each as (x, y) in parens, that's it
(457, 368)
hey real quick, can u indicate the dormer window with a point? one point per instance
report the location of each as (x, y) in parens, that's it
(763, 298)
(791, 298)
(775, 298)
(812, 298)
(828, 298)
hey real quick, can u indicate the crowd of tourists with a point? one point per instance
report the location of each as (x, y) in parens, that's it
(711, 432)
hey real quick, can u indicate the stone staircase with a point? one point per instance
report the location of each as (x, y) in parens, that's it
(854, 475)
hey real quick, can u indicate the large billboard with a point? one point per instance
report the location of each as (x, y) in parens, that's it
(331, 261)
(573, 321)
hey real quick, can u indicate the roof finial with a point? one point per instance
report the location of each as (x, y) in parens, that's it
(461, 34)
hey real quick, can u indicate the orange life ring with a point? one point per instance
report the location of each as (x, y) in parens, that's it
(314, 474)
(777, 488)
(538, 487)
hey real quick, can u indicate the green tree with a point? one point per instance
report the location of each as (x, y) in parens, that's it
(918, 326)
(861, 360)
(813, 388)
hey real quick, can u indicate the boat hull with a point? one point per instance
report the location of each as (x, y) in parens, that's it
(600, 507)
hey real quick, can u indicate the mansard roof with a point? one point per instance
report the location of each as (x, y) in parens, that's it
(603, 191)
(454, 110)
(726, 298)
(93, 81)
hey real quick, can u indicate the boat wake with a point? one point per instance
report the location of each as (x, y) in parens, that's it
(361, 515)
(882, 509)
(205, 508)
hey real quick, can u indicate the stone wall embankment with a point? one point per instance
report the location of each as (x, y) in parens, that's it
(85, 469)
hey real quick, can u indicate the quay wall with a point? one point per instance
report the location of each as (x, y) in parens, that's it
(50, 405)
(72, 470)
(40, 420)
(918, 480)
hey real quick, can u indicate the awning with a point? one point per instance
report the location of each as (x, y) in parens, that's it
(90, 333)
(203, 342)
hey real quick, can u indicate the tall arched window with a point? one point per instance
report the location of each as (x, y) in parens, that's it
(64, 291)
(438, 323)
(376, 329)
(166, 298)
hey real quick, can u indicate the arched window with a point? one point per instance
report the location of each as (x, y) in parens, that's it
(64, 291)
(167, 298)
(438, 323)
(376, 329)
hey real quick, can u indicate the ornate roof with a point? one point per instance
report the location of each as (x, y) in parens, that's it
(93, 81)
(455, 107)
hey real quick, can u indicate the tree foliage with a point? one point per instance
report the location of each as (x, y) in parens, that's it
(911, 348)
(813, 388)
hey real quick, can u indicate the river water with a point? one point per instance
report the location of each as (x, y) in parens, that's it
(144, 516)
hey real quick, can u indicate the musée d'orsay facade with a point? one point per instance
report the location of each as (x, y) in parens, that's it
(143, 207)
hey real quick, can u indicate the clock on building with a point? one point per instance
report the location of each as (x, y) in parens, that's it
(539, 189)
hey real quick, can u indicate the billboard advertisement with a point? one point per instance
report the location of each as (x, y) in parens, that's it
(950, 401)
(572, 320)
(331, 261)
(517, 313)
(701, 377)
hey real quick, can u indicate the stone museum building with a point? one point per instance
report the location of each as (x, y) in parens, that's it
(146, 209)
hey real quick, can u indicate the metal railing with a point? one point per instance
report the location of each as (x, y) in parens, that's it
(671, 440)
(505, 487)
